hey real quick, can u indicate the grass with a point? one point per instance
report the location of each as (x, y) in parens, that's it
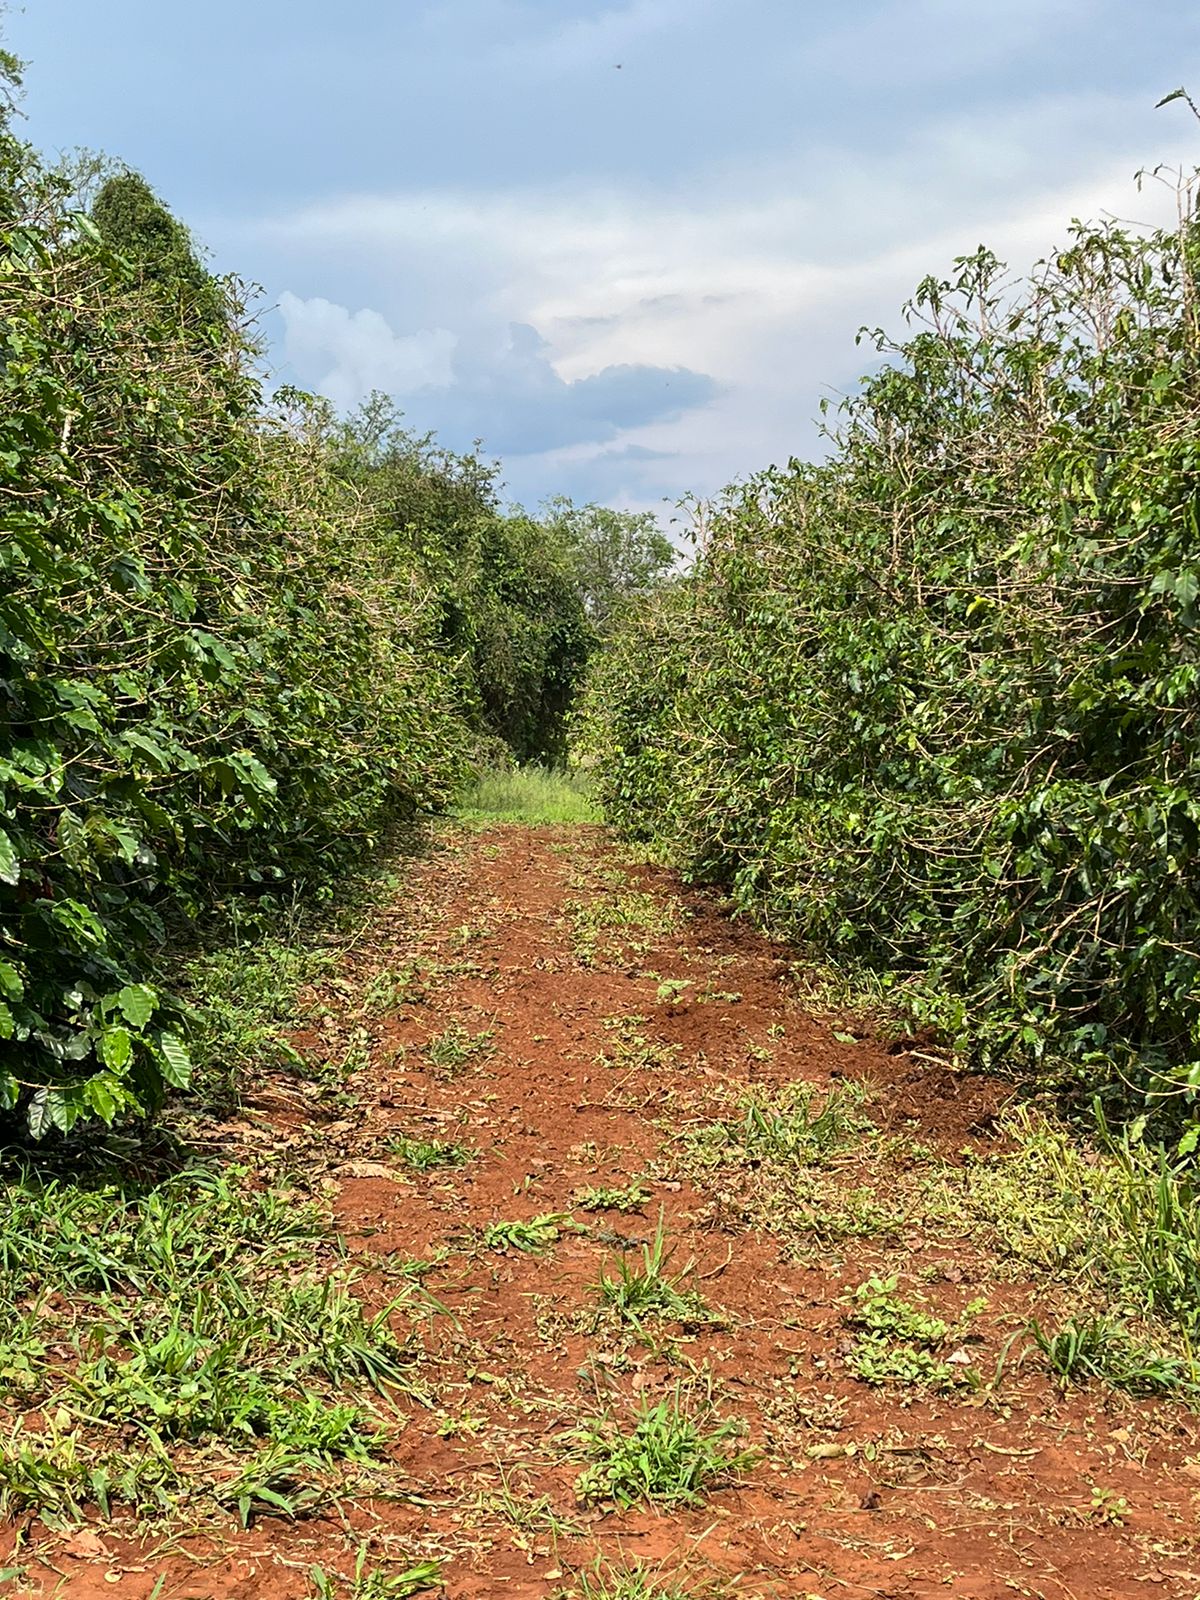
(671, 1452)
(1101, 1348)
(651, 1290)
(198, 1313)
(533, 795)
(368, 1582)
(797, 1126)
(603, 1581)
(450, 1051)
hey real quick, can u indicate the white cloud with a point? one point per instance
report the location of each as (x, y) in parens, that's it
(352, 353)
(757, 278)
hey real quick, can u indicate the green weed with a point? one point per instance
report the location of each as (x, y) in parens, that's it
(627, 1198)
(389, 990)
(368, 1582)
(797, 1126)
(669, 1452)
(879, 1310)
(535, 1235)
(898, 1342)
(450, 1051)
(427, 1155)
(651, 1289)
(1101, 1349)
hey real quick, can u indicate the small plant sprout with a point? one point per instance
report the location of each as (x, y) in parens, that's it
(533, 1236)
(427, 1155)
(629, 1197)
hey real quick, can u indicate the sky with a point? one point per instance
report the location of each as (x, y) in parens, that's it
(628, 244)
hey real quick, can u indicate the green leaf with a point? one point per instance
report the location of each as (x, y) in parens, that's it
(100, 1098)
(65, 1106)
(10, 869)
(38, 1116)
(115, 1048)
(138, 1003)
(177, 1064)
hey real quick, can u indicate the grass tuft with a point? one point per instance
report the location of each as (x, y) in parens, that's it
(1101, 1348)
(651, 1290)
(672, 1452)
(429, 1155)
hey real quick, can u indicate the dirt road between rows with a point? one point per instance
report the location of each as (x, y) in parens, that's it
(640, 1186)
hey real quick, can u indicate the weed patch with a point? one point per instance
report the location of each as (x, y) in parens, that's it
(619, 922)
(533, 1236)
(798, 1127)
(651, 1289)
(672, 1452)
(632, 1051)
(428, 1155)
(899, 1343)
(199, 1320)
(1118, 1216)
(1101, 1349)
(627, 1198)
(449, 1052)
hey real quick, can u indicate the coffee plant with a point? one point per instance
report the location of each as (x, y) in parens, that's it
(235, 636)
(931, 705)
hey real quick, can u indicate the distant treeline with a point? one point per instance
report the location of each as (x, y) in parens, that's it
(236, 636)
(932, 706)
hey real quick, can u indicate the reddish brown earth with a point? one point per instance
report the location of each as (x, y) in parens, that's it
(859, 1491)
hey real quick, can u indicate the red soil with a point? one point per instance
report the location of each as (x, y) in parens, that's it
(860, 1491)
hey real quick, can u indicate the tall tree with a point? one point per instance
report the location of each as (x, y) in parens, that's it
(613, 556)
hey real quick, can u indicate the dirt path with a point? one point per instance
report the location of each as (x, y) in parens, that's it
(571, 1024)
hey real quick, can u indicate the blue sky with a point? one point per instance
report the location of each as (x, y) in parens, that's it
(628, 243)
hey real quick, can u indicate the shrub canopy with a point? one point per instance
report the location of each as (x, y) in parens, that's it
(932, 704)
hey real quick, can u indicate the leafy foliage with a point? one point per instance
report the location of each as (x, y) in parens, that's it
(615, 557)
(236, 638)
(931, 705)
(507, 610)
(135, 224)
